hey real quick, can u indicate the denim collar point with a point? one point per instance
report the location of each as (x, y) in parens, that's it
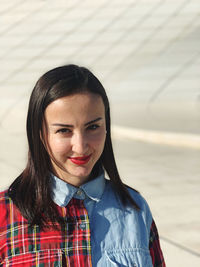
(62, 192)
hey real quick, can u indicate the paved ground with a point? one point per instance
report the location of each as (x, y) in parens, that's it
(147, 55)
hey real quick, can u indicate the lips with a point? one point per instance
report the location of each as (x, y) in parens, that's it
(80, 160)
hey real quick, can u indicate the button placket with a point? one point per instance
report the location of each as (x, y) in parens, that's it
(78, 228)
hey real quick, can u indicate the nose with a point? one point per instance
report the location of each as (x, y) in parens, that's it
(79, 143)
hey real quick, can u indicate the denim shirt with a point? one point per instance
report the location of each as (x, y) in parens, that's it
(119, 235)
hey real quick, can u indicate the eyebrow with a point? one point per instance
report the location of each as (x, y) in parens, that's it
(71, 126)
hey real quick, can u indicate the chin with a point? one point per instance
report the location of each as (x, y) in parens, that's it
(81, 174)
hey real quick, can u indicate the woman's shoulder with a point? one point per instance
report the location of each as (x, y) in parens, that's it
(5, 208)
(5, 201)
(144, 214)
(4, 196)
(145, 210)
(137, 196)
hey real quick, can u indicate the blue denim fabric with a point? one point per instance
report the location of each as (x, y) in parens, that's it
(119, 235)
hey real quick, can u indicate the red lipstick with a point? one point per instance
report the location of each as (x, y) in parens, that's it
(80, 160)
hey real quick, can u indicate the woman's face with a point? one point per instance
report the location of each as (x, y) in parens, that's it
(76, 133)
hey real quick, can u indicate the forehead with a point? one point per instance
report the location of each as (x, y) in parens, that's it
(84, 105)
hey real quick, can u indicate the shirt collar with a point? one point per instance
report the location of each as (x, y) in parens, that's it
(62, 192)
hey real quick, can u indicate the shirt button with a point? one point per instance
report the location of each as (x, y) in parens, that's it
(82, 226)
(79, 192)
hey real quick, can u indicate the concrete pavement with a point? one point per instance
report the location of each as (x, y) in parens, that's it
(147, 54)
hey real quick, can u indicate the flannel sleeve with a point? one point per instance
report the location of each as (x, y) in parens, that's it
(154, 247)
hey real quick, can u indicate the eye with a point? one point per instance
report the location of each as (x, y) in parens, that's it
(93, 127)
(63, 130)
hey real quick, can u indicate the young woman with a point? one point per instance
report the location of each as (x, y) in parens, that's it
(61, 210)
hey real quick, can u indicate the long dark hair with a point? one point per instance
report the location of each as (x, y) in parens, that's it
(31, 191)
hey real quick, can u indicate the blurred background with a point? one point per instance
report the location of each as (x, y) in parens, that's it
(147, 55)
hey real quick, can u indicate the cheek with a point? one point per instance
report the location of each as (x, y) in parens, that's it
(98, 141)
(59, 146)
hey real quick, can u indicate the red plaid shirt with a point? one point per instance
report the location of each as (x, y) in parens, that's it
(21, 244)
(70, 245)
(154, 247)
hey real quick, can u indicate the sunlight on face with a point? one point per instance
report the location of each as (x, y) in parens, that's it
(76, 132)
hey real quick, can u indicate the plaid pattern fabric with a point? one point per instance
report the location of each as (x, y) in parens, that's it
(69, 245)
(22, 245)
(154, 247)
